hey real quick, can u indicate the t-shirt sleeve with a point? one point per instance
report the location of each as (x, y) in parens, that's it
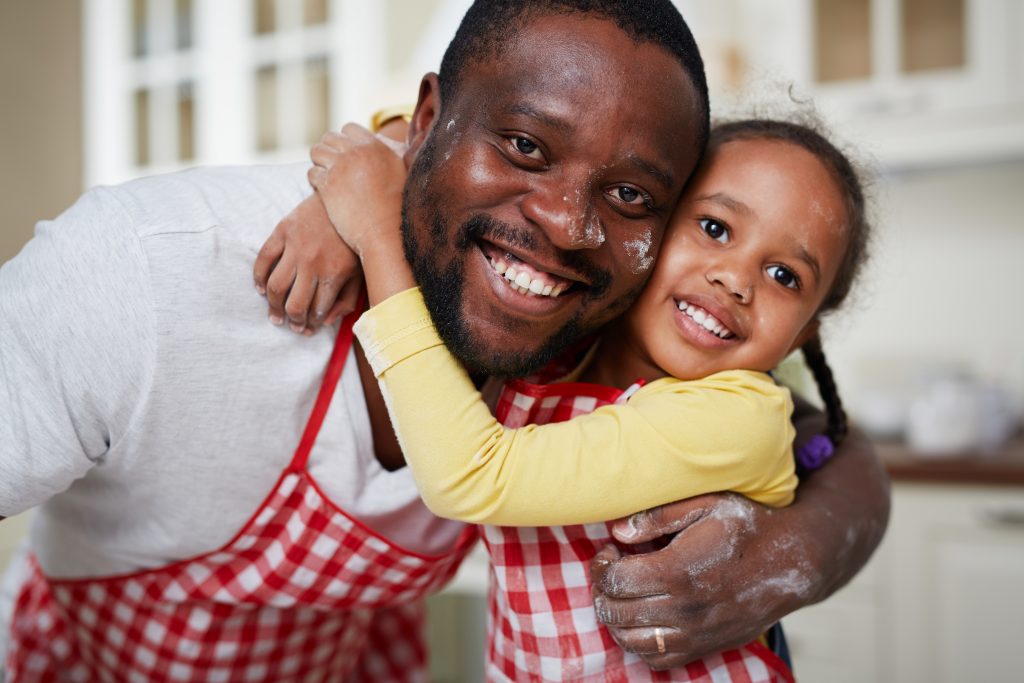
(673, 439)
(77, 344)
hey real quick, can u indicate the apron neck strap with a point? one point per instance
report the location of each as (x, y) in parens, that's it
(339, 355)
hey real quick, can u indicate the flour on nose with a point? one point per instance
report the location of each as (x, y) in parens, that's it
(639, 251)
(584, 228)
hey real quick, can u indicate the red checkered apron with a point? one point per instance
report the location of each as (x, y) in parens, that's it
(304, 592)
(542, 625)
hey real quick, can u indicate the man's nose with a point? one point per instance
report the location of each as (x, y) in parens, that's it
(735, 279)
(566, 215)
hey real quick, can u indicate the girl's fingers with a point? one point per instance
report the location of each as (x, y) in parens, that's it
(266, 259)
(349, 296)
(278, 285)
(357, 133)
(326, 296)
(300, 298)
(317, 177)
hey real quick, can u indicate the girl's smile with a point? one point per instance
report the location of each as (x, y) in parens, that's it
(747, 260)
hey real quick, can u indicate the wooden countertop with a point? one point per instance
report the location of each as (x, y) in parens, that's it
(1004, 467)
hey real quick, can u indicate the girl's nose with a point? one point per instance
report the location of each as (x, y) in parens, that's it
(739, 286)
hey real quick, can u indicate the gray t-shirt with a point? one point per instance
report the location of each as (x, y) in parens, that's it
(146, 403)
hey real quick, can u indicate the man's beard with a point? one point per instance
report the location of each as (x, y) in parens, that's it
(443, 287)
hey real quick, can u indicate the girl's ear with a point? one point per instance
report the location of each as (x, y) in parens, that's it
(428, 108)
(810, 331)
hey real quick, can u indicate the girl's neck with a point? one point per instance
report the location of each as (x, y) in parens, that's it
(618, 361)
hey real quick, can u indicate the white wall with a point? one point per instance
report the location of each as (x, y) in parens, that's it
(945, 286)
(40, 115)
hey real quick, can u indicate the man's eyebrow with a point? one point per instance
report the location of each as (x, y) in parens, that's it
(559, 124)
(661, 175)
(728, 202)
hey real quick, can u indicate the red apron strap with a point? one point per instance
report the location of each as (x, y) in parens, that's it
(342, 344)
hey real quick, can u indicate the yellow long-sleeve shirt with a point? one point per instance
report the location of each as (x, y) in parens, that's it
(672, 440)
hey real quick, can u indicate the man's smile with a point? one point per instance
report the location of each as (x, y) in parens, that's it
(524, 277)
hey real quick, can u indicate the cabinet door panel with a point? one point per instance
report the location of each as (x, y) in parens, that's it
(979, 599)
(957, 604)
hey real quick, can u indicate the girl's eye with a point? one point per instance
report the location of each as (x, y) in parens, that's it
(784, 276)
(526, 147)
(714, 230)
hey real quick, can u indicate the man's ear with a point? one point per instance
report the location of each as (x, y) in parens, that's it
(428, 108)
(810, 329)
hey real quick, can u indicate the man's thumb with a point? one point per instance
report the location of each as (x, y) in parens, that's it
(648, 525)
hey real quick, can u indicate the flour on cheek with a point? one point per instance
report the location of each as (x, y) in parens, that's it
(639, 253)
(455, 137)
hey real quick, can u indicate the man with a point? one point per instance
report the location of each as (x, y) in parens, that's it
(154, 415)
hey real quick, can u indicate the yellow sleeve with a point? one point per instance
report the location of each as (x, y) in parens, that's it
(673, 440)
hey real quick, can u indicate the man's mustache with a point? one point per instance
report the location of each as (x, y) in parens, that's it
(482, 226)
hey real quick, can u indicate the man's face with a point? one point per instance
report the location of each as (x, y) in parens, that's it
(536, 206)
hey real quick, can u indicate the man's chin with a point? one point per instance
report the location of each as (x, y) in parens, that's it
(513, 350)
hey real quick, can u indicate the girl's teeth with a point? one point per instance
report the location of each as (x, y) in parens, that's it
(705, 320)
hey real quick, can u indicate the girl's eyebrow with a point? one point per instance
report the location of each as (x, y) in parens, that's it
(808, 258)
(728, 202)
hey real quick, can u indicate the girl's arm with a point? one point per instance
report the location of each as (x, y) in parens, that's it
(359, 177)
(672, 440)
(308, 274)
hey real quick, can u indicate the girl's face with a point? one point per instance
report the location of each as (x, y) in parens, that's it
(748, 258)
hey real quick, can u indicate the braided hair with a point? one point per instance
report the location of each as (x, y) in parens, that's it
(851, 185)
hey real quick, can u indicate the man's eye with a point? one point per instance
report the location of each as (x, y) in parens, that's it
(526, 147)
(784, 276)
(628, 194)
(715, 230)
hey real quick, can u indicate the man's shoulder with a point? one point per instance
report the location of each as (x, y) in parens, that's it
(197, 199)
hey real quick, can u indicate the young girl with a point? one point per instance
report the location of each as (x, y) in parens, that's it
(673, 401)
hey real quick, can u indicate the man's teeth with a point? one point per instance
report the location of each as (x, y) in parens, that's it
(705, 320)
(523, 283)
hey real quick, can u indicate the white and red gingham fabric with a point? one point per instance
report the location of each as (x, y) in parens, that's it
(542, 625)
(304, 592)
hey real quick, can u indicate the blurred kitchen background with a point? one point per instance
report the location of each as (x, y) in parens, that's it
(930, 356)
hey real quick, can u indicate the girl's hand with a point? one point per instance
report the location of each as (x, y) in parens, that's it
(309, 276)
(360, 177)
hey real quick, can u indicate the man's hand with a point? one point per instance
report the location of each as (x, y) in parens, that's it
(718, 584)
(735, 567)
(310, 277)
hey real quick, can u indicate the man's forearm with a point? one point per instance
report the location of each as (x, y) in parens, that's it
(734, 567)
(844, 507)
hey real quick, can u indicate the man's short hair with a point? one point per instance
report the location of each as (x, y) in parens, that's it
(491, 24)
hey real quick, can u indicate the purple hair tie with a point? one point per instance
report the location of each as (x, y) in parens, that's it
(815, 452)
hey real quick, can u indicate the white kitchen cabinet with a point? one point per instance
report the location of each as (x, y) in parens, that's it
(942, 601)
(913, 82)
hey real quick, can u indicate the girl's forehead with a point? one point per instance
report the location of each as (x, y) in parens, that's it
(770, 173)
